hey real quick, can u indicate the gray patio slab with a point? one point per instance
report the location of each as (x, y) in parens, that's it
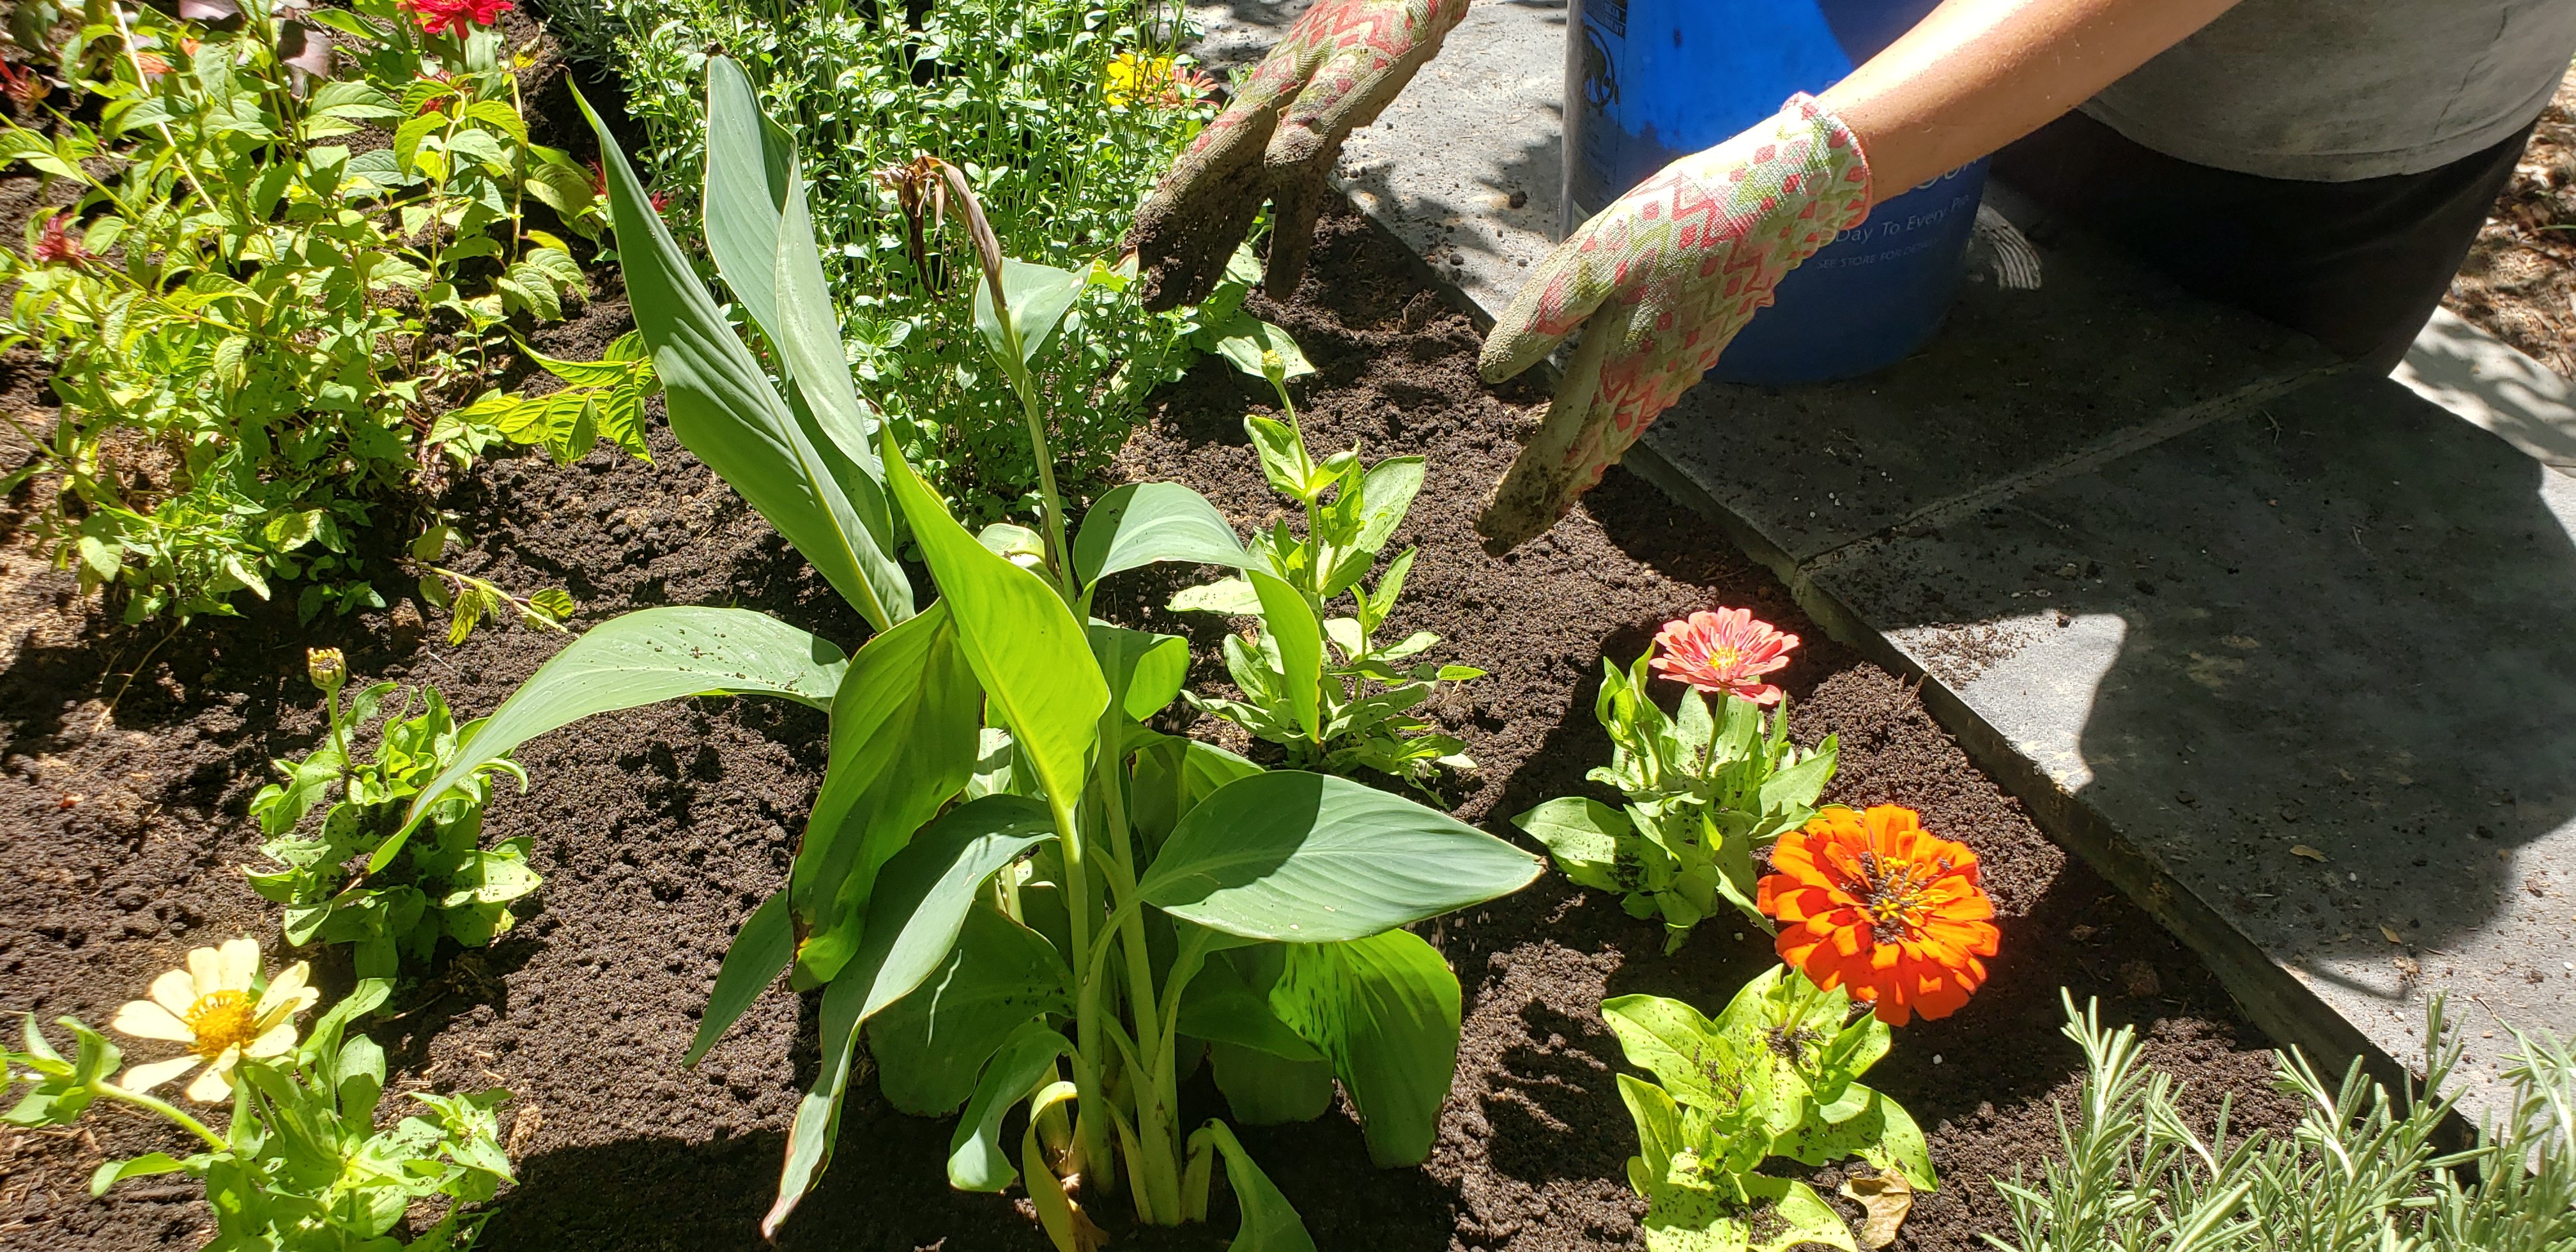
(2290, 655)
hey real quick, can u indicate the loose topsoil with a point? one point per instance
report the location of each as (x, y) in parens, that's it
(658, 830)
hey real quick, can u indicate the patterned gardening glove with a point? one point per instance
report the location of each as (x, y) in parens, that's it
(1660, 281)
(1336, 69)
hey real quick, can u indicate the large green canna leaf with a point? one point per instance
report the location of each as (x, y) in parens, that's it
(722, 407)
(920, 904)
(641, 658)
(1261, 1089)
(1301, 648)
(760, 949)
(1385, 1011)
(905, 728)
(1228, 1001)
(1032, 657)
(1141, 523)
(930, 1044)
(751, 161)
(1026, 1061)
(1309, 858)
(1144, 670)
(1270, 1223)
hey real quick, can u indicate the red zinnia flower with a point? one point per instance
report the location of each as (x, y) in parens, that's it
(1725, 652)
(56, 243)
(453, 17)
(1890, 912)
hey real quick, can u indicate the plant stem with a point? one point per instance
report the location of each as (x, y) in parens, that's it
(1058, 555)
(166, 1109)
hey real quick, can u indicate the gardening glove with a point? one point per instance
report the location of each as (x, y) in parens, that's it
(1336, 69)
(1660, 281)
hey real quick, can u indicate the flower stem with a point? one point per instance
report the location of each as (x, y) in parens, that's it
(163, 1107)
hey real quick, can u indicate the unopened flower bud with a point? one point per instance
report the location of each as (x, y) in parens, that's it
(1273, 366)
(326, 667)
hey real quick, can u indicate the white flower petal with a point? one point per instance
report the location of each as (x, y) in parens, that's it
(175, 991)
(240, 959)
(145, 1020)
(205, 972)
(140, 1078)
(216, 1084)
(285, 995)
(276, 1040)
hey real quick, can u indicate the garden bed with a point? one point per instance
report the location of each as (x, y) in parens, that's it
(659, 829)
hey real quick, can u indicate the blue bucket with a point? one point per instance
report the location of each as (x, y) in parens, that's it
(1648, 81)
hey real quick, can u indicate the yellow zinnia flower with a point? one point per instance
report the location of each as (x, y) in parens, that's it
(1130, 76)
(208, 1006)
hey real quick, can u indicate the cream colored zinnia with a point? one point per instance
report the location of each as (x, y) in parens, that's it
(208, 1006)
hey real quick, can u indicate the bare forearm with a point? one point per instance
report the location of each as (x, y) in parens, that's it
(1978, 74)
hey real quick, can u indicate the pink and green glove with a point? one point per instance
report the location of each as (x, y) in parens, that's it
(1334, 71)
(1660, 281)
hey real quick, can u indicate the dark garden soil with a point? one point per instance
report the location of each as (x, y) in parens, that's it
(122, 833)
(658, 830)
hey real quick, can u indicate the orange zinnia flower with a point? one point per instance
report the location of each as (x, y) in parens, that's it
(1883, 908)
(1723, 653)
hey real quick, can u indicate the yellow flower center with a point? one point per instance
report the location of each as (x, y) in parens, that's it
(222, 1019)
(1892, 894)
(1722, 657)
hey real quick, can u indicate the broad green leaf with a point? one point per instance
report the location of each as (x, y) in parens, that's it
(1038, 296)
(1309, 858)
(1684, 1218)
(905, 723)
(1032, 657)
(1228, 1001)
(1300, 638)
(1672, 1041)
(751, 164)
(1659, 1131)
(1141, 523)
(930, 1044)
(1244, 337)
(144, 1166)
(1385, 1011)
(1233, 596)
(759, 951)
(1144, 670)
(1883, 1134)
(1270, 1223)
(1265, 1090)
(724, 410)
(976, 1160)
(1388, 490)
(1583, 836)
(809, 340)
(1284, 460)
(920, 904)
(642, 658)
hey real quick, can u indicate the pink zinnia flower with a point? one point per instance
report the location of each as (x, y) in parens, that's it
(453, 17)
(1725, 652)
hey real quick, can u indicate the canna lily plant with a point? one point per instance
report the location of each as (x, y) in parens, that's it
(1009, 886)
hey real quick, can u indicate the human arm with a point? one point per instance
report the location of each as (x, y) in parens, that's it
(1975, 75)
(1663, 279)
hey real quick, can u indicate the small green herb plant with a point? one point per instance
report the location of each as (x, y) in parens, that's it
(1776, 1074)
(1707, 791)
(1015, 891)
(250, 314)
(301, 1166)
(1322, 685)
(2362, 1169)
(391, 911)
(1060, 112)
